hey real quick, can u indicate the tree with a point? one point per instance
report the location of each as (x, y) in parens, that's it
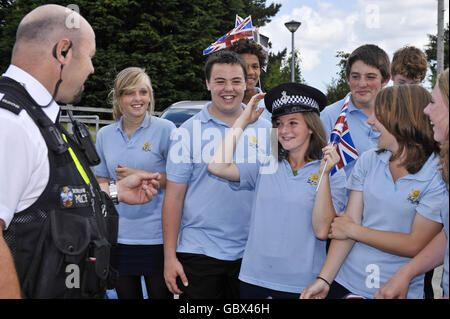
(431, 52)
(259, 12)
(279, 70)
(166, 37)
(338, 88)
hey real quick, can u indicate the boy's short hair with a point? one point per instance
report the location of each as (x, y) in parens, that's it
(410, 62)
(371, 55)
(224, 57)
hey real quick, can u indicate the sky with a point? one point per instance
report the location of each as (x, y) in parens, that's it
(328, 26)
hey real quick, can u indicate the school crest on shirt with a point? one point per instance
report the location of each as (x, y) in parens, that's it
(253, 142)
(313, 178)
(146, 147)
(413, 197)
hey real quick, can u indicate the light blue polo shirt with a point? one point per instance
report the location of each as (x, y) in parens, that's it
(215, 219)
(146, 150)
(265, 114)
(362, 134)
(444, 216)
(389, 206)
(282, 251)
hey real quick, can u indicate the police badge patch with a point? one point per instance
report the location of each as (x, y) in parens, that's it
(74, 196)
(66, 197)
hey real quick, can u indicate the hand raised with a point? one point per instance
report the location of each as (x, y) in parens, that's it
(250, 114)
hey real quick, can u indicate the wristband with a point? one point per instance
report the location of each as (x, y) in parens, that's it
(318, 277)
(113, 192)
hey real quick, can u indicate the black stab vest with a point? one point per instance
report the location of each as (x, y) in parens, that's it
(61, 243)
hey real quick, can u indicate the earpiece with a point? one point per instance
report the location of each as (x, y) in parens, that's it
(63, 53)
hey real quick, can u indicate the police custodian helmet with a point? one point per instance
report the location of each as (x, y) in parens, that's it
(289, 98)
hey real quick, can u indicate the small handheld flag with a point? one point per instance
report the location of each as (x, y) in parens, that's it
(340, 136)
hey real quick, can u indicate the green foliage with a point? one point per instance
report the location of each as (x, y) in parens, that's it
(431, 52)
(279, 70)
(166, 37)
(338, 88)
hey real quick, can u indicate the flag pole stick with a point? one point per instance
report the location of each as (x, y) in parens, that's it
(321, 175)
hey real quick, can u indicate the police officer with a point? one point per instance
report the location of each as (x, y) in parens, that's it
(52, 211)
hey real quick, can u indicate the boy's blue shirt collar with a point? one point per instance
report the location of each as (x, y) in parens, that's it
(205, 116)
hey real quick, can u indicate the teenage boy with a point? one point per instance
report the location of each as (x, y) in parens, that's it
(205, 222)
(409, 66)
(367, 72)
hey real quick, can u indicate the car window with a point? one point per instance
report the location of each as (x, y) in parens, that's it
(179, 116)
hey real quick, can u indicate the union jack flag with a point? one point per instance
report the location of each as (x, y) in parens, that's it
(340, 136)
(244, 29)
(238, 21)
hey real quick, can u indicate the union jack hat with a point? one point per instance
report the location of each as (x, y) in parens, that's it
(289, 98)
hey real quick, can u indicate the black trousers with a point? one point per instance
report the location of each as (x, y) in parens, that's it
(209, 278)
(249, 291)
(428, 287)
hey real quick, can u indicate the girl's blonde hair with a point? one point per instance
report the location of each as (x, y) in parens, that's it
(129, 79)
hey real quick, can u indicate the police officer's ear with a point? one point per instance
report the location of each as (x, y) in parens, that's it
(63, 47)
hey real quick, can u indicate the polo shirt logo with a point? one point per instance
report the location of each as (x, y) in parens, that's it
(313, 178)
(413, 196)
(146, 147)
(253, 141)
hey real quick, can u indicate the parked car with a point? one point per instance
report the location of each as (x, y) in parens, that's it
(181, 111)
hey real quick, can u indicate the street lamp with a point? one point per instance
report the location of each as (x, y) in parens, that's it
(292, 26)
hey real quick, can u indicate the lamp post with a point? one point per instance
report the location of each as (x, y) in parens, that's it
(292, 26)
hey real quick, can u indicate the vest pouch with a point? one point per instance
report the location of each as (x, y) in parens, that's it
(71, 234)
(58, 262)
(96, 269)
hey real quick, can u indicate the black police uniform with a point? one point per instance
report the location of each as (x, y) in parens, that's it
(61, 243)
